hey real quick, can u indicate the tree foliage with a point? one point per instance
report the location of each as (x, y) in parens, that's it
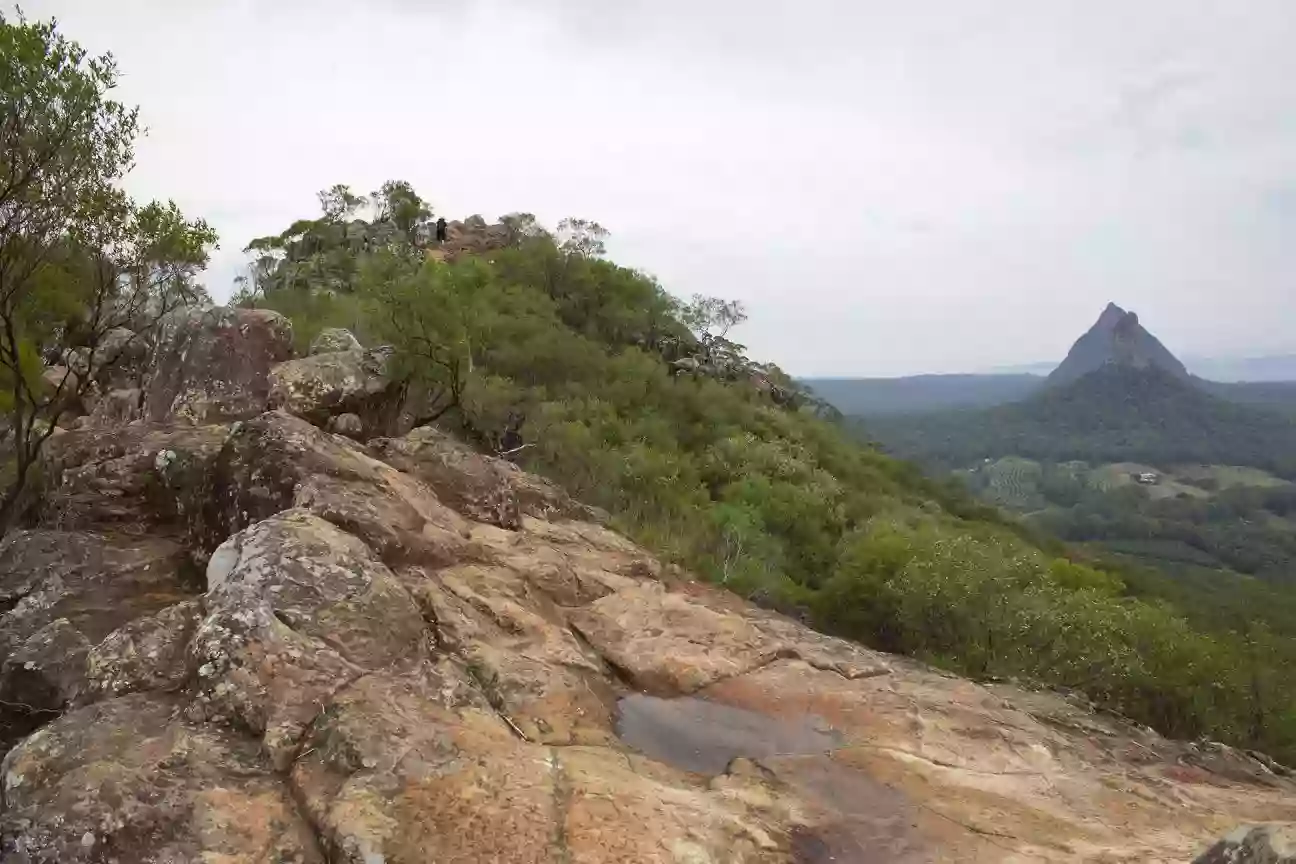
(85, 273)
(399, 204)
(712, 317)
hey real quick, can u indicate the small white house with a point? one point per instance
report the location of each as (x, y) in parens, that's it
(1148, 478)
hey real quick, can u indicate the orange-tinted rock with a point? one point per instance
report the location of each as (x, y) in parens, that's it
(387, 666)
(129, 780)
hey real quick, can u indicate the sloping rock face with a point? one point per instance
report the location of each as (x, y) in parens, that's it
(260, 642)
(484, 488)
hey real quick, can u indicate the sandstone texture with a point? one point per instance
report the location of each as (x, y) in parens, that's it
(237, 638)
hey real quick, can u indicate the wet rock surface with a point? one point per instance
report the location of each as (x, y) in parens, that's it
(259, 642)
(705, 737)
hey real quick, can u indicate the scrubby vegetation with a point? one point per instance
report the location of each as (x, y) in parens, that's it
(593, 375)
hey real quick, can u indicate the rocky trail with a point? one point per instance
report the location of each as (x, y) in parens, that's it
(238, 638)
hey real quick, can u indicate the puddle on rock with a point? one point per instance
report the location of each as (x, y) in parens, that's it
(858, 820)
(704, 737)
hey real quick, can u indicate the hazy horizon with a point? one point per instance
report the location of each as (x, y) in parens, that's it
(890, 189)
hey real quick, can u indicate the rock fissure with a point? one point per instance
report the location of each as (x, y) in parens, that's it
(619, 674)
(561, 805)
(487, 684)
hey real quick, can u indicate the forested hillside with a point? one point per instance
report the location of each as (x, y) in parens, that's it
(1115, 414)
(530, 343)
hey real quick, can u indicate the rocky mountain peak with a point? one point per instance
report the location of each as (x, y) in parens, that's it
(1111, 316)
(1116, 338)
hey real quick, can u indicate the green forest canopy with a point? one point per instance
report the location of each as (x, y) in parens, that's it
(722, 465)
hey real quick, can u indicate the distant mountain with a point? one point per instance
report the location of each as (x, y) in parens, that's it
(1119, 396)
(1116, 338)
(1117, 413)
(880, 396)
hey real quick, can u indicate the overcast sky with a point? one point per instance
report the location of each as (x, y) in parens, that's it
(890, 187)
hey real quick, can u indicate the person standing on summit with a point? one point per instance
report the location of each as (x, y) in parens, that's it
(441, 230)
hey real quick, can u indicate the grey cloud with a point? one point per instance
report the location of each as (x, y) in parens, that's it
(890, 187)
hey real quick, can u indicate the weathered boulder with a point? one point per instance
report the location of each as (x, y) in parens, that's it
(149, 653)
(296, 609)
(77, 360)
(117, 408)
(131, 479)
(334, 339)
(1254, 844)
(532, 668)
(61, 593)
(670, 644)
(473, 236)
(40, 677)
(215, 366)
(321, 386)
(62, 381)
(481, 487)
(120, 358)
(673, 642)
(349, 425)
(128, 780)
(94, 582)
(277, 461)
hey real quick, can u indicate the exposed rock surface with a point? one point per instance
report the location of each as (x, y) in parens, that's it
(259, 643)
(63, 381)
(349, 425)
(120, 359)
(129, 780)
(334, 339)
(1116, 338)
(482, 487)
(473, 236)
(1254, 844)
(215, 366)
(328, 384)
(117, 407)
